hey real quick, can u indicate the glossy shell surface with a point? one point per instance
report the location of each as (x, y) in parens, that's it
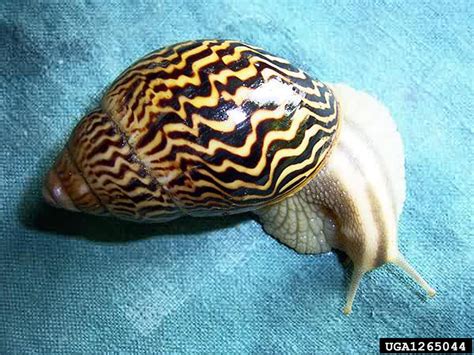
(201, 128)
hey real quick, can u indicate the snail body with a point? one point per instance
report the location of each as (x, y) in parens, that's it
(215, 127)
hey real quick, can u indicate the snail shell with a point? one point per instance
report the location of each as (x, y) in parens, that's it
(200, 128)
(218, 127)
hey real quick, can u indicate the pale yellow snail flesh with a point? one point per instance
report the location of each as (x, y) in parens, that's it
(354, 203)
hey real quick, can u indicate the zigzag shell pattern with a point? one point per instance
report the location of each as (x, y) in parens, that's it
(201, 128)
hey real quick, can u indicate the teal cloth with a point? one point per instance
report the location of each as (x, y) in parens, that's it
(78, 284)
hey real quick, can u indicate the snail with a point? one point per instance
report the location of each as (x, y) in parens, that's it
(217, 127)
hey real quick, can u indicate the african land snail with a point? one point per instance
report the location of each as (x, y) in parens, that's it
(214, 127)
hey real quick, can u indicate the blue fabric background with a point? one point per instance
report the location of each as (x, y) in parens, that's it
(74, 283)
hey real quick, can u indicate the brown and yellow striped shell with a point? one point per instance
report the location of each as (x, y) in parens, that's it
(201, 128)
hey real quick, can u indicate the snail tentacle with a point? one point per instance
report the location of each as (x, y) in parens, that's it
(401, 262)
(356, 277)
